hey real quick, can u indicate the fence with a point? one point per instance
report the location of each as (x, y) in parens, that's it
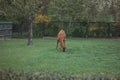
(78, 29)
(5, 30)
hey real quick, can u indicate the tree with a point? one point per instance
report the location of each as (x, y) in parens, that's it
(23, 12)
(67, 10)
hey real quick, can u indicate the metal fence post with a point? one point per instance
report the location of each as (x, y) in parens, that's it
(108, 30)
(65, 26)
(87, 30)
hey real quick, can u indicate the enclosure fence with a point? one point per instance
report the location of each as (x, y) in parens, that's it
(75, 29)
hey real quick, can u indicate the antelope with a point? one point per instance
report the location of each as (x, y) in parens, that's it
(61, 38)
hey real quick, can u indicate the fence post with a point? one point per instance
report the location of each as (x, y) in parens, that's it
(65, 26)
(108, 30)
(43, 28)
(87, 30)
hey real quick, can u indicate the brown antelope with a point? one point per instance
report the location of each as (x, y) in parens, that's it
(61, 38)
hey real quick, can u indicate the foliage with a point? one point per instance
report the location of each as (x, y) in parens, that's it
(117, 28)
(64, 10)
(93, 28)
(39, 18)
(52, 29)
(22, 12)
(98, 31)
(41, 22)
(93, 10)
(78, 32)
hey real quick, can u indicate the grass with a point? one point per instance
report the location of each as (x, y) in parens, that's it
(83, 56)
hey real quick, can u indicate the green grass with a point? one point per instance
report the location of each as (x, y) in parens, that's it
(89, 56)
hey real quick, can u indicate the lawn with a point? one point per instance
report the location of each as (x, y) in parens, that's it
(89, 56)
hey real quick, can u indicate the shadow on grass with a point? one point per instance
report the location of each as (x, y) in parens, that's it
(67, 51)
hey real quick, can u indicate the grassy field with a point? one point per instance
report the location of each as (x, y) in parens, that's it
(89, 56)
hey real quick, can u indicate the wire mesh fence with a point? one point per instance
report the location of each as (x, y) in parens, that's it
(73, 29)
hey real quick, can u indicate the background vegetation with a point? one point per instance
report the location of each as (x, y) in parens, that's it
(22, 13)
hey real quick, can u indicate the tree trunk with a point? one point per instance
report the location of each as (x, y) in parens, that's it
(30, 35)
